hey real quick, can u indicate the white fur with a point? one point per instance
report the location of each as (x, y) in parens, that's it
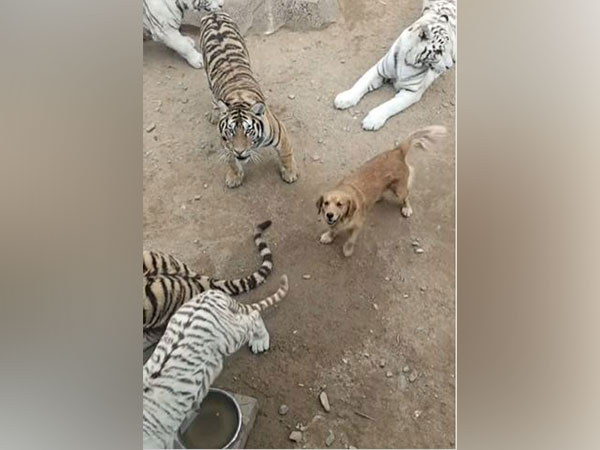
(404, 65)
(162, 20)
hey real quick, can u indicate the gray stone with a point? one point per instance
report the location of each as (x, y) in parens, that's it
(324, 401)
(283, 410)
(296, 436)
(413, 376)
(330, 438)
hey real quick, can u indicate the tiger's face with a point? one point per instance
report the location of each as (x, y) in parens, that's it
(430, 47)
(241, 129)
(207, 5)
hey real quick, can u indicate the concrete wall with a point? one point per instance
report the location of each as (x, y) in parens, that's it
(267, 16)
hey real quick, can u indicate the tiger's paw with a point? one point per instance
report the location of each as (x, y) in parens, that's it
(233, 180)
(289, 176)
(345, 100)
(195, 60)
(259, 345)
(373, 121)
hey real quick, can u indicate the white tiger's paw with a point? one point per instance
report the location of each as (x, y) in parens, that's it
(326, 238)
(259, 345)
(345, 100)
(407, 211)
(233, 180)
(195, 60)
(373, 121)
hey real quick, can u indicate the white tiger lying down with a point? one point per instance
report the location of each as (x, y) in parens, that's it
(189, 357)
(423, 52)
(162, 20)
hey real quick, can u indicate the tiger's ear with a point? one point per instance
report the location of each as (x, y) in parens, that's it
(223, 107)
(258, 108)
(320, 205)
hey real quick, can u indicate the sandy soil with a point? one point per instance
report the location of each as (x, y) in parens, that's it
(386, 306)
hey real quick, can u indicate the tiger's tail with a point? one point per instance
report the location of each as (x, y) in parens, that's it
(425, 138)
(241, 285)
(270, 300)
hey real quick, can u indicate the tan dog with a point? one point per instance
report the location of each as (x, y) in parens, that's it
(345, 207)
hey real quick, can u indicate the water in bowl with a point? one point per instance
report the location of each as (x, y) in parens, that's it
(215, 424)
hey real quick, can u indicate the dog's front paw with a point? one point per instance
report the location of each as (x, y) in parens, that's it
(259, 345)
(289, 176)
(348, 249)
(407, 211)
(326, 238)
(195, 60)
(373, 121)
(345, 100)
(233, 179)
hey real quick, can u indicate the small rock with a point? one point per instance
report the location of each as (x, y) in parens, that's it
(185, 100)
(382, 363)
(300, 384)
(387, 278)
(295, 331)
(306, 277)
(151, 128)
(389, 374)
(405, 369)
(196, 241)
(413, 376)
(344, 360)
(283, 410)
(415, 243)
(183, 207)
(320, 141)
(197, 197)
(351, 446)
(417, 414)
(366, 355)
(329, 440)
(205, 186)
(405, 295)
(296, 436)
(342, 61)
(419, 250)
(315, 157)
(423, 288)
(375, 307)
(291, 96)
(324, 401)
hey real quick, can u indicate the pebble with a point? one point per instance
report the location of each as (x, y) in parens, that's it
(151, 128)
(419, 250)
(183, 207)
(389, 374)
(306, 277)
(197, 197)
(405, 369)
(351, 446)
(415, 243)
(343, 61)
(413, 376)
(375, 306)
(296, 436)
(283, 410)
(405, 296)
(417, 414)
(320, 141)
(315, 157)
(205, 186)
(291, 96)
(344, 360)
(196, 241)
(185, 100)
(324, 401)
(382, 363)
(366, 355)
(387, 278)
(329, 440)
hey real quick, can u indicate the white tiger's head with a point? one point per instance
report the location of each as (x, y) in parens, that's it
(242, 128)
(208, 5)
(430, 46)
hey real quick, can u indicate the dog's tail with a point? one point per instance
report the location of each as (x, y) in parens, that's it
(425, 138)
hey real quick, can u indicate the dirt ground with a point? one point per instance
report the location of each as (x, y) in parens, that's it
(386, 306)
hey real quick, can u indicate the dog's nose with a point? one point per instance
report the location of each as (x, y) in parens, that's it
(329, 215)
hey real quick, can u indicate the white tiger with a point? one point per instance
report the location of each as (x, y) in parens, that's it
(424, 51)
(162, 20)
(189, 357)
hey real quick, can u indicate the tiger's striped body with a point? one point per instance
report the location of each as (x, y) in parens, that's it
(169, 283)
(245, 121)
(424, 51)
(162, 22)
(190, 355)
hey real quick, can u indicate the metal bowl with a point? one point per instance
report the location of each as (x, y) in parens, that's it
(216, 424)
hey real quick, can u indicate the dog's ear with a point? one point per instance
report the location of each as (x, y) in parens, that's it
(320, 205)
(351, 208)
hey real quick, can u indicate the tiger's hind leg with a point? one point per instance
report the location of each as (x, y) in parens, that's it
(287, 163)
(259, 339)
(370, 81)
(235, 173)
(184, 45)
